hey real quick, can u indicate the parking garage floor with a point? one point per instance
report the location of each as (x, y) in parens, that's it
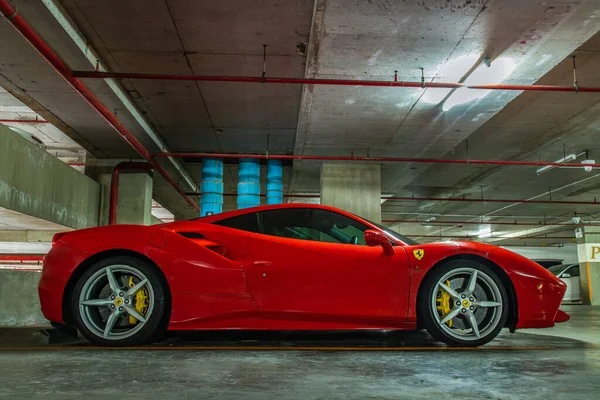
(562, 362)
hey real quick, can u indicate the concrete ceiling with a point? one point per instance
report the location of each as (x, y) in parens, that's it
(345, 39)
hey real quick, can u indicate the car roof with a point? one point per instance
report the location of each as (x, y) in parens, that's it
(233, 213)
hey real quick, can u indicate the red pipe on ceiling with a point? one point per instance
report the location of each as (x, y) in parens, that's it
(467, 200)
(412, 221)
(24, 121)
(374, 159)
(318, 81)
(29, 34)
(124, 167)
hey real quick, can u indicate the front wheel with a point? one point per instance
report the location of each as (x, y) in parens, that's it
(119, 301)
(463, 303)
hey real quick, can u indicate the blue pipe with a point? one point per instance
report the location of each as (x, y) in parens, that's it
(248, 183)
(274, 182)
(211, 200)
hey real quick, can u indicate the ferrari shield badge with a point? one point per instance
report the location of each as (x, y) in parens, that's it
(419, 253)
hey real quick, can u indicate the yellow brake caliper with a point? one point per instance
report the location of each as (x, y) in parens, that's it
(141, 301)
(443, 303)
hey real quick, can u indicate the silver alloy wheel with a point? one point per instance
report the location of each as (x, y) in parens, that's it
(105, 299)
(476, 304)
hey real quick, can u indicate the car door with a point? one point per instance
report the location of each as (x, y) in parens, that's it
(212, 254)
(571, 277)
(314, 264)
(574, 283)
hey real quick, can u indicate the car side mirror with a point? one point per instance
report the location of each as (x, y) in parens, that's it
(565, 276)
(375, 238)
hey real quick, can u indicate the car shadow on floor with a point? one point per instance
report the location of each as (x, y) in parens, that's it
(227, 339)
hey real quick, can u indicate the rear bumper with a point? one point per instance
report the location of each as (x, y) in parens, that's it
(59, 265)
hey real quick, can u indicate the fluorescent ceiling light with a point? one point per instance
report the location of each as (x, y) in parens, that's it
(498, 71)
(484, 232)
(565, 159)
(427, 221)
(452, 71)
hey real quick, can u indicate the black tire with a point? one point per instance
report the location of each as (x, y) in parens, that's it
(426, 309)
(153, 328)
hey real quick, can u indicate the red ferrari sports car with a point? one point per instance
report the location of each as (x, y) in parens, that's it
(288, 267)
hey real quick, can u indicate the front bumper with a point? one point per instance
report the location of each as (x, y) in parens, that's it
(539, 300)
(59, 265)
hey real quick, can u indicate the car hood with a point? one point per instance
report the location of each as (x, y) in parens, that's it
(509, 261)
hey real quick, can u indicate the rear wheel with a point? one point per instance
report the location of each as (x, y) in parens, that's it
(463, 303)
(119, 301)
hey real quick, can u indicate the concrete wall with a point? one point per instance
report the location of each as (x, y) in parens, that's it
(35, 183)
(19, 301)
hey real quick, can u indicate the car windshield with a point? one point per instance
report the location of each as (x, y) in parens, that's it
(557, 269)
(394, 234)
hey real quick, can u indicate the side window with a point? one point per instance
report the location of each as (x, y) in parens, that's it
(574, 271)
(313, 224)
(244, 222)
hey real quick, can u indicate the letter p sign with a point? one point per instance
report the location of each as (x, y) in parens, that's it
(595, 252)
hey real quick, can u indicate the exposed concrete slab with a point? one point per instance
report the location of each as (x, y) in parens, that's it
(26, 236)
(36, 183)
(13, 221)
(20, 247)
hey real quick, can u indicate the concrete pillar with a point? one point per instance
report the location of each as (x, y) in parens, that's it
(588, 253)
(353, 187)
(135, 192)
(135, 199)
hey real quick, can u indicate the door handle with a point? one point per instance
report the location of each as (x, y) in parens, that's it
(263, 263)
